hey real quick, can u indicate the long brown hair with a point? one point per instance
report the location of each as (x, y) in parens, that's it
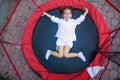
(64, 8)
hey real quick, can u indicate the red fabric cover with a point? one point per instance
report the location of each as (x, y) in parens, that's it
(28, 31)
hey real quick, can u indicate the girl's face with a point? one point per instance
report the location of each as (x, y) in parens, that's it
(67, 14)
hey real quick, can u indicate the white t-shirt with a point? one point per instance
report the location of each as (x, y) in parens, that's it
(66, 29)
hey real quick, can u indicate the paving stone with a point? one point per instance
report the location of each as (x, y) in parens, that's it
(108, 21)
(26, 68)
(7, 36)
(110, 65)
(101, 2)
(15, 39)
(105, 8)
(117, 54)
(117, 79)
(119, 69)
(1, 53)
(95, 0)
(112, 27)
(115, 22)
(113, 74)
(117, 15)
(111, 9)
(104, 14)
(106, 75)
(115, 67)
(17, 64)
(13, 31)
(37, 78)
(114, 47)
(95, 4)
(118, 76)
(117, 60)
(110, 14)
(119, 18)
(21, 69)
(116, 41)
(99, 6)
(9, 28)
(10, 50)
(18, 47)
(31, 75)
(96, 78)
(24, 77)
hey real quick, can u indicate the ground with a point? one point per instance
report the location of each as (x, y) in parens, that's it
(15, 29)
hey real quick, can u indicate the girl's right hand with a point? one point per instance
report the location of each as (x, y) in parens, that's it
(43, 14)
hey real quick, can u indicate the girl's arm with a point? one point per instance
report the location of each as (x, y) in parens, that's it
(48, 15)
(86, 11)
(53, 18)
(82, 17)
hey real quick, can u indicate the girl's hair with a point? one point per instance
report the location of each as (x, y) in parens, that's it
(64, 8)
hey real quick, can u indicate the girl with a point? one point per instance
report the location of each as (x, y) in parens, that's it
(66, 33)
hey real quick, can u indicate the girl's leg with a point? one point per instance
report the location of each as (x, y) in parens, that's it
(70, 55)
(58, 54)
(67, 54)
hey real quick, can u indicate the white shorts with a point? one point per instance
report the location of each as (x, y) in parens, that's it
(61, 42)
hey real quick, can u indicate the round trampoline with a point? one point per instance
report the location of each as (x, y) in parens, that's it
(44, 39)
(39, 36)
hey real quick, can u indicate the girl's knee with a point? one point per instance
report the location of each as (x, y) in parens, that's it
(66, 55)
(60, 55)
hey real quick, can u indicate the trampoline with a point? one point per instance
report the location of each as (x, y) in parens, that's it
(39, 36)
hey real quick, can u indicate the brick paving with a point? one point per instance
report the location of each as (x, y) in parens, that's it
(14, 32)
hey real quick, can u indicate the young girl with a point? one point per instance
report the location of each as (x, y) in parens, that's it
(66, 33)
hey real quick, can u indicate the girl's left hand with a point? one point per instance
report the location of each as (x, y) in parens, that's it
(85, 9)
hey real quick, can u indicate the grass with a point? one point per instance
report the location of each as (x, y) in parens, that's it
(3, 78)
